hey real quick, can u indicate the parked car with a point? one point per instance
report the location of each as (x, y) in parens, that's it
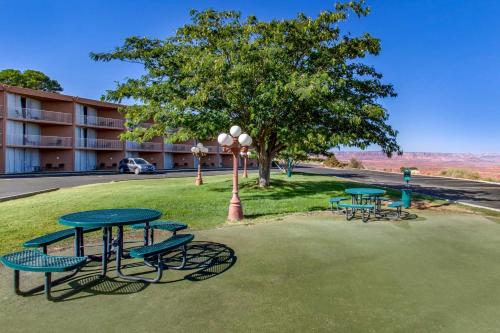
(135, 165)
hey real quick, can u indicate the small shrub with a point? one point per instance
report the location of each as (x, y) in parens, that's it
(315, 159)
(355, 164)
(460, 173)
(409, 168)
(333, 162)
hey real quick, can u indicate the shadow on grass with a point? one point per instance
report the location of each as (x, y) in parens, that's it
(287, 189)
(390, 215)
(208, 259)
(205, 260)
(290, 188)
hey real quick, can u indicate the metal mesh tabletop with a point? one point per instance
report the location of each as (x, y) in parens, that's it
(365, 191)
(110, 217)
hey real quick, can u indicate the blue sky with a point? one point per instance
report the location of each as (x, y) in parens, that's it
(443, 56)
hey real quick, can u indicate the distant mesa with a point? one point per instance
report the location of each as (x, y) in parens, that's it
(487, 164)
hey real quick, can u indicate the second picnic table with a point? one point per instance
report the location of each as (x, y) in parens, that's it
(369, 194)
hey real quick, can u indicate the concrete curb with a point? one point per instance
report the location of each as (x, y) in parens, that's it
(164, 174)
(476, 206)
(97, 173)
(29, 194)
(443, 177)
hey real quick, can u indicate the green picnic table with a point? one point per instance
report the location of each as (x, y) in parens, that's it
(107, 219)
(367, 194)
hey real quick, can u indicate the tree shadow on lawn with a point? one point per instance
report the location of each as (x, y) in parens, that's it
(207, 259)
(291, 210)
(286, 189)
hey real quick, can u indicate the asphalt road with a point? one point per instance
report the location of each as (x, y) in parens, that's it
(464, 191)
(470, 192)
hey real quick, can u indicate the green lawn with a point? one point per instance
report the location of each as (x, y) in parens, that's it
(437, 272)
(178, 198)
(306, 273)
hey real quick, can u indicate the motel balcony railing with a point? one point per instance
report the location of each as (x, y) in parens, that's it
(214, 149)
(182, 148)
(40, 115)
(144, 146)
(39, 141)
(100, 121)
(177, 148)
(99, 144)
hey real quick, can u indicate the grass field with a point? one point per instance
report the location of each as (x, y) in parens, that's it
(177, 198)
(311, 272)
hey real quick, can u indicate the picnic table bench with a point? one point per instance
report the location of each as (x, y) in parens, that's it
(335, 201)
(365, 210)
(36, 261)
(398, 205)
(171, 226)
(46, 240)
(156, 252)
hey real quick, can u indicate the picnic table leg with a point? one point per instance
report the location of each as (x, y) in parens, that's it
(146, 234)
(365, 215)
(110, 241)
(158, 265)
(16, 282)
(118, 245)
(48, 285)
(82, 248)
(119, 242)
(105, 248)
(78, 242)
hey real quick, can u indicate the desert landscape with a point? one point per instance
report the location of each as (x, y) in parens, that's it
(487, 166)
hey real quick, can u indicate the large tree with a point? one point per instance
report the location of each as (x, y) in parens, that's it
(29, 79)
(285, 82)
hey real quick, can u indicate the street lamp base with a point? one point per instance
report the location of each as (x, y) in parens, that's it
(235, 213)
(235, 210)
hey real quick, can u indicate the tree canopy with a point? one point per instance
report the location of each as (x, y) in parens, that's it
(29, 79)
(287, 82)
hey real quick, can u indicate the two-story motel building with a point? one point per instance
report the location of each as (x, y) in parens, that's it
(42, 131)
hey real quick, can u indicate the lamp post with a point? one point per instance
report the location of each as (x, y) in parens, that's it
(245, 156)
(236, 143)
(199, 151)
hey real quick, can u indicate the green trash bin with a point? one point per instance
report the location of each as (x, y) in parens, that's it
(407, 175)
(406, 198)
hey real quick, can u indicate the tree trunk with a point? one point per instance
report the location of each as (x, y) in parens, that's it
(265, 161)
